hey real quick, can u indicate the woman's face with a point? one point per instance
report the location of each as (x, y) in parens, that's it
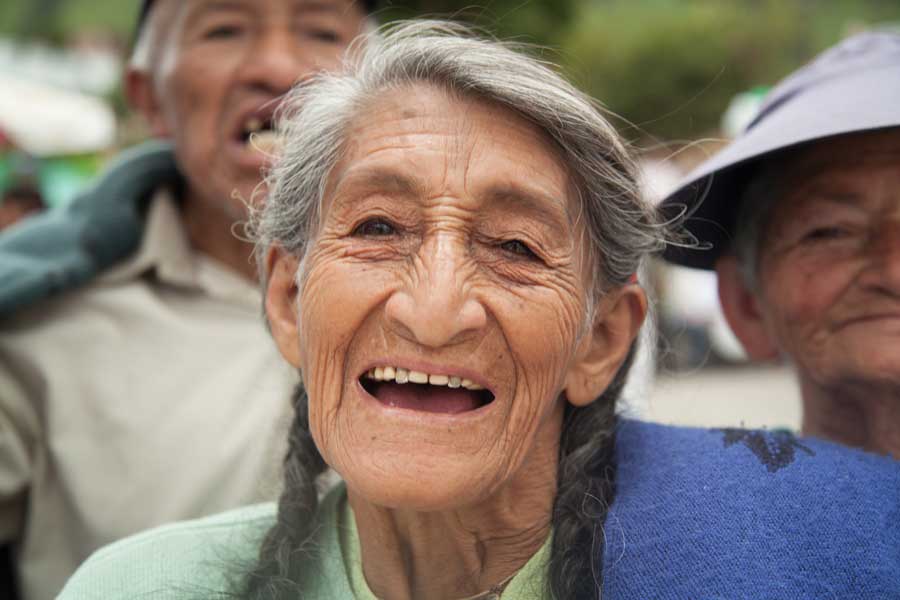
(830, 267)
(446, 253)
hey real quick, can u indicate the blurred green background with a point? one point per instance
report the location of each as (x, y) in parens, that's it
(669, 67)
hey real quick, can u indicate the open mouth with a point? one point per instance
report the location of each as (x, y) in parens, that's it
(259, 134)
(415, 390)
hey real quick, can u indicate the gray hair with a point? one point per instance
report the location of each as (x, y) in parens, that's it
(759, 198)
(620, 225)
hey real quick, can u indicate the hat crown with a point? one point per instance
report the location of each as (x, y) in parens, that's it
(864, 51)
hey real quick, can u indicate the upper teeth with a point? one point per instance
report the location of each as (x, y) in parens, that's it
(400, 375)
(253, 124)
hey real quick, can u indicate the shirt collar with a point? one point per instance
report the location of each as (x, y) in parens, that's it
(166, 253)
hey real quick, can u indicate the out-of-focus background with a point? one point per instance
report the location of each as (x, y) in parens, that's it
(681, 77)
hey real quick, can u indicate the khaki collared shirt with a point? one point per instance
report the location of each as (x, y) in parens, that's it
(152, 395)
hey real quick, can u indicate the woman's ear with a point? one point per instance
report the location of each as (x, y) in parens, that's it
(604, 348)
(741, 308)
(281, 303)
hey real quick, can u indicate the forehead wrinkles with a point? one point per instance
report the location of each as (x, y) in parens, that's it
(834, 155)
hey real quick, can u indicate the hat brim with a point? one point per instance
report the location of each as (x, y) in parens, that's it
(710, 197)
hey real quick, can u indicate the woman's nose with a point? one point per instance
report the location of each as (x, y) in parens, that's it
(885, 258)
(437, 306)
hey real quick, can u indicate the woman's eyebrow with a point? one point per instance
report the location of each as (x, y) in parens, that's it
(517, 198)
(379, 180)
(546, 208)
(819, 192)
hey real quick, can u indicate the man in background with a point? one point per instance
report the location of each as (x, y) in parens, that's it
(137, 383)
(803, 212)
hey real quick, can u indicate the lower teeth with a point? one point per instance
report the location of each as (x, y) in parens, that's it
(264, 141)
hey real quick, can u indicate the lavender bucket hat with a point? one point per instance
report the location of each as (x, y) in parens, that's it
(852, 87)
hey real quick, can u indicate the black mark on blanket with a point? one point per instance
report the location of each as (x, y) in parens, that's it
(774, 449)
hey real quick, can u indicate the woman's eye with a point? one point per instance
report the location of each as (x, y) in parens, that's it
(519, 248)
(374, 228)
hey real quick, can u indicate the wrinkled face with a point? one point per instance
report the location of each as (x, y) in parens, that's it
(830, 261)
(221, 72)
(443, 302)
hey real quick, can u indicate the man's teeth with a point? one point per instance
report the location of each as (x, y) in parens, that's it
(253, 125)
(265, 141)
(400, 375)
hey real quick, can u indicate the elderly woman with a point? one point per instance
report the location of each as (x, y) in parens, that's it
(448, 249)
(803, 210)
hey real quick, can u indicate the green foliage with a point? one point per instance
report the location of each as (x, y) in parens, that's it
(57, 20)
(533, 21)
(670, 68)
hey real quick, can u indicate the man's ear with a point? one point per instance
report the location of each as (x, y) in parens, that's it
(281, 303)
(603, 350)
(741, 308)
(141, 94)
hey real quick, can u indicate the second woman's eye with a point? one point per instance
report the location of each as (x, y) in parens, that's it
(375, 228)
(830, 232)
(519, 248)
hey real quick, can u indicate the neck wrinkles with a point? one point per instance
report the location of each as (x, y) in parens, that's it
(859, 415)
(456, 553)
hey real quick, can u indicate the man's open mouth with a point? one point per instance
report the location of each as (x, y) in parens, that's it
(259, 133)
(415, 390)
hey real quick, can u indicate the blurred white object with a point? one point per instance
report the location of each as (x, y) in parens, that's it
(92, 70)
(691, 296)
(758, 396)
(45, 121)
(659, 178)
(742, 109)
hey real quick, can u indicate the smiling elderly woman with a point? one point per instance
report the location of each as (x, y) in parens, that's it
(448, 249)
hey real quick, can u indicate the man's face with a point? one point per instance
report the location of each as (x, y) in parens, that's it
(829, 267)
(221, 70)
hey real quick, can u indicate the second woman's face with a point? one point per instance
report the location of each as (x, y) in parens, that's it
(443, 303)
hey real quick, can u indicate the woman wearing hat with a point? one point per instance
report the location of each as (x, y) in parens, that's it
(802, 212)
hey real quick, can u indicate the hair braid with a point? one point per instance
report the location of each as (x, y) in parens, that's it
(286, 544)
(585, 490)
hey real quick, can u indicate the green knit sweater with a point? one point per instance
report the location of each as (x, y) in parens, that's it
(199, 559)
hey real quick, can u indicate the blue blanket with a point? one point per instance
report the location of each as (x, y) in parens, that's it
(734, 514)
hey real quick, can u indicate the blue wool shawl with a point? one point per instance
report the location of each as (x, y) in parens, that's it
(737, 514)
